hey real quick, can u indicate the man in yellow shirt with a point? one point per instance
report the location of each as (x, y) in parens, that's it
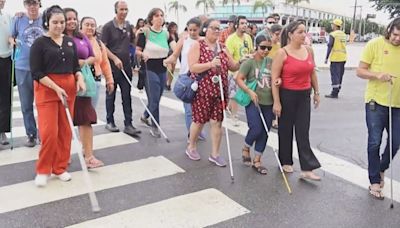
(380, 66)
(337, 55)
(240, 45)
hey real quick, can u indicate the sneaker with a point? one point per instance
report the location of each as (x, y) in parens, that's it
(219, 161)
(202, 136)
(41, 180)
(155, 132)
(65, 176)
(3, 139)
(131, 130)
(31, 141)
(192, 154)
(145, 121)
(335, 96)
(111, 127)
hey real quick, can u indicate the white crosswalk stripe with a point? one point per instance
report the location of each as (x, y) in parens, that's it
(197, 209)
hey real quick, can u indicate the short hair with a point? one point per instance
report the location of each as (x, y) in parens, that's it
(275, 15)
(276, 28)
(89, 18)
(270, 16)
(394, 24)
(152, 13)
(260, 39)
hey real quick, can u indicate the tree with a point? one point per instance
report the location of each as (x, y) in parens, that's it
(207, 4)
(390, 6)
(225, 2)
(174, 5)
(296, 3)
(263, 4)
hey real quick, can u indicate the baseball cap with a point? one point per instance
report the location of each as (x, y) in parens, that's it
(337, 22)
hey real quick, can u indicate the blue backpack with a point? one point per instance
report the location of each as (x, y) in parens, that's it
(183, 87)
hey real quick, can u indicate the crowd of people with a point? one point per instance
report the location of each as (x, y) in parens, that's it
(274, 67)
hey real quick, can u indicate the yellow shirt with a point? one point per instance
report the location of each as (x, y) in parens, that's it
(382, 57)
(274, 50)
(239, 47)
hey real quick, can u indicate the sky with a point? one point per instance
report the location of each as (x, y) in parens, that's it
(103, 10)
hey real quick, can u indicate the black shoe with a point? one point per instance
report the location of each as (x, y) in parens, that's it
(331, 96)
(155, 132)
(131, 130)
(3, 139)
(168, 87)
(31, 142)
(111, 127)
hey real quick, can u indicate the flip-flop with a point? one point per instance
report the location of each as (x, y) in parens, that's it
(376, 193)
(259, 169)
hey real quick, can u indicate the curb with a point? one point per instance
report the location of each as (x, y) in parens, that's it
(325, 67)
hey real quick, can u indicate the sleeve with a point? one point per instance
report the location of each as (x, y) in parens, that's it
(330, 45)
(76, 67)
(230, 46)
(36, 63)
(141, 41)
(251, 46)
(367, 55)
(105, 65)
(14, 32)
(245, 68)
(105, 35)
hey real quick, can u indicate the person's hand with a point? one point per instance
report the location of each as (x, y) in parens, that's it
(384, 77)
(216, 62)
(110, 87)
(277, 109)
(60, 93)
(253, 97)
(80, 84)
(118, 63)
(326, 61)
(278, 82)
(316, 100)
(145, 57)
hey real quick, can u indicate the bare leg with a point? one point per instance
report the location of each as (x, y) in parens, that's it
(86, 135)
(216, 133)
(195, 130)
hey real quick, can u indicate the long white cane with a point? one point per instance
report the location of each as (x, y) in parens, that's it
(78, 147)
(145, 106)
(391, 143)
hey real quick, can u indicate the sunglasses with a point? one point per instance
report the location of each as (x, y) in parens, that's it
(271, 22)
(263, 47)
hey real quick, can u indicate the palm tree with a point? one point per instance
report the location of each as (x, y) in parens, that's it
(296, 3)
(225, 2)
(263, 4)
(174, 5)
(207, 4)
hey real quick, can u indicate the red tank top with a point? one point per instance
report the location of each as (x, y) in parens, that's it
(296, 74)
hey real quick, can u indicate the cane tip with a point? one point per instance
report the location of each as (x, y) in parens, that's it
(391, 206)
(232, 179)
(167, 139)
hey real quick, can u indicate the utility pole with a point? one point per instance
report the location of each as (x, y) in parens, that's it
(354, 16)
(360, 23)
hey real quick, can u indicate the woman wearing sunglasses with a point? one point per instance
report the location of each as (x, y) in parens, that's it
(257, 68)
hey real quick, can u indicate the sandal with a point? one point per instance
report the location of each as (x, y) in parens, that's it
(259, 169)
(376, 193)
(246, 158)
(309, 175)
(92, 162)
(287, 168)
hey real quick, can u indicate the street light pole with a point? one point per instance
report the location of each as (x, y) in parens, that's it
(360, 23)
(354, 16)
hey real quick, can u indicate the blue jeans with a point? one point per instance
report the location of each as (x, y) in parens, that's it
(257, 132)
(25, 90)
(188, 115)
(154, 85)
(95, 99)
(377, 121)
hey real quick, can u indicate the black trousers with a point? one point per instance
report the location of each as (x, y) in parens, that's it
(5, 94)
(337, 72)
(296, 109)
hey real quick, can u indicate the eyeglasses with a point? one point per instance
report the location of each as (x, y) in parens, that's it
(215, 29)
(263, 47)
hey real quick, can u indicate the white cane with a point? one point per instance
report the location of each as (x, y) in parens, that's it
(391, 143)
(275, 152)
(78, 147)
(147, 109)
(226, 129)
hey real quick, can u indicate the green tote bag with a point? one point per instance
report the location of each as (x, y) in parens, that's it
(89, 81)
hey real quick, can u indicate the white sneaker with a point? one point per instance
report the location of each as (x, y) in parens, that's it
(65, 176)
(41, 180)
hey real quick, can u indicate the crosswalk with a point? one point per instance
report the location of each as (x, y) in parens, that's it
(199, 208)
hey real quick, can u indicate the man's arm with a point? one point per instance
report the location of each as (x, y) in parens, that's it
(330, 45)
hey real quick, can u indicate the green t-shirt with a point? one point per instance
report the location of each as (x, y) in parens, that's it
(251, 69)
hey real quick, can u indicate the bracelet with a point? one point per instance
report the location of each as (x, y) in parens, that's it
(316, 93)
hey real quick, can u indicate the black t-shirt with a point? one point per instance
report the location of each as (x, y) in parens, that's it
(117, 40)
(47, 57)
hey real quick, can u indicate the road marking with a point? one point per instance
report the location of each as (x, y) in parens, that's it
(198, 209)
(26, 194)
(331, 164)
(24, 154)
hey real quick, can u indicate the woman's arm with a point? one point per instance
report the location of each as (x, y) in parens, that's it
(232, 64)
(276, 71)
(193, 60)
(177, 51)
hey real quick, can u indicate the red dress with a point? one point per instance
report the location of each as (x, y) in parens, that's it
(207, 103)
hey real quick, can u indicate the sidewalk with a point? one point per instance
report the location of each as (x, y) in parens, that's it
(353, 55)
